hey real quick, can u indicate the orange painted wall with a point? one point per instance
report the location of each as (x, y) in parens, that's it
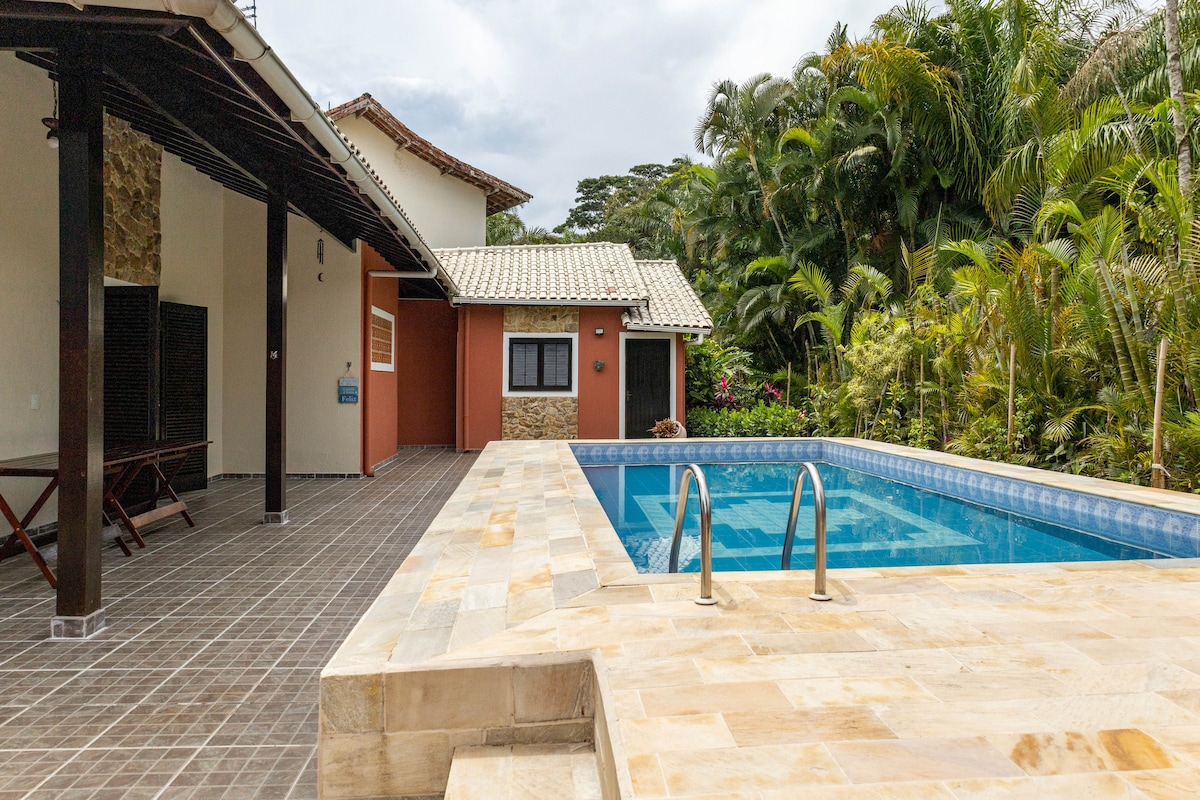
(377, 389)
(599, 392)
(426, 371)
(480, 374)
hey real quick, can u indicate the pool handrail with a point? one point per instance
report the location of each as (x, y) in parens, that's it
(808, 469)
(685, 485)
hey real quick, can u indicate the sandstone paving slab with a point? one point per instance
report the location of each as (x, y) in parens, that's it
(1012, 680)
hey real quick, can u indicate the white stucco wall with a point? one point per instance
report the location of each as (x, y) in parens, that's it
(213, 254)
(323, 436)
(28, 276)
(193, 235)
(447, 212)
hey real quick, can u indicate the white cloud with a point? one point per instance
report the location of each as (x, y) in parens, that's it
(543, 93)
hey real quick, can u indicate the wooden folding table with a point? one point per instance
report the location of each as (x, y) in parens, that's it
(122, 465)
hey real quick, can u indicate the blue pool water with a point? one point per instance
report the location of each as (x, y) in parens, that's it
(871, 522)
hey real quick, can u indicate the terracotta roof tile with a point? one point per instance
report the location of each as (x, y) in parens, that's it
(673, 301)
(591, 273)
(656, 294)
(501, 195)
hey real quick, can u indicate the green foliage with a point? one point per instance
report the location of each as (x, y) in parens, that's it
(971, 182)
(636, 208)
(876, 354)
(761, 419)
(507, 227)
(708, 364)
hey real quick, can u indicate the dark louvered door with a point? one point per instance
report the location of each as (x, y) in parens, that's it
(184, 410)
(131, 374)
(647, 385)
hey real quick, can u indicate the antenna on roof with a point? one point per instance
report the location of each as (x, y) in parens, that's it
(251, 12)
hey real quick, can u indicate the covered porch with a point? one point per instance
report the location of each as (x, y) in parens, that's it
(245, 177)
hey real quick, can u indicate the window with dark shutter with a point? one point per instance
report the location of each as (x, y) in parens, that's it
(539, 365)
(556, 360)
(524, 369)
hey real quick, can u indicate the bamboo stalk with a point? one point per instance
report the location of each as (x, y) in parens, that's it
(1012, 392)
(1158, 474)
(787, 400)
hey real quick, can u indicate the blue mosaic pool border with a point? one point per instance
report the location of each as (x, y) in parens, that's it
(1170, 532)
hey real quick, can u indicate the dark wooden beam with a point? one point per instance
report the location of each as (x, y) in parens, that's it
(184, 87)
(249, 142)
(30, 26)
(131, 20)
(81, 335)
(276, 411)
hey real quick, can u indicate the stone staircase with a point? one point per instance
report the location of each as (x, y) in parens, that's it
(524, 772)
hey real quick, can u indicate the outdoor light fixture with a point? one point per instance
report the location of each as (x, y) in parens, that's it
(598, 364)
(52, 124)
(599, 332)
(320, 251)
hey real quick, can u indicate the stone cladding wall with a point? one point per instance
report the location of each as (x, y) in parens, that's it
(540, 417)
(541, 319)
(132, 196)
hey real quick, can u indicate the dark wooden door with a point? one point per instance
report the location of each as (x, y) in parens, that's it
(647, 385)
(131, 375)
(184, 385)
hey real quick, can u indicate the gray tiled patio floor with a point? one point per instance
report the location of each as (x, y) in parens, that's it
(204, 685)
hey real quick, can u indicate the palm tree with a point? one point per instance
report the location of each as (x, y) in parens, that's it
(1175, 76)
(745, 118)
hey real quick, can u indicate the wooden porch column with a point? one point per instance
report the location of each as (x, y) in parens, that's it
(81, 335)
(276, 441)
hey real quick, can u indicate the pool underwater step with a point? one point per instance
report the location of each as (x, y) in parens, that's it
(524, 772)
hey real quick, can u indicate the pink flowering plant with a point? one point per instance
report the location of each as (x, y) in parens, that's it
(724, 397)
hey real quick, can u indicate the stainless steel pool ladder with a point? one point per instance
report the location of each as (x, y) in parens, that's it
(685, 484)
(808, 469)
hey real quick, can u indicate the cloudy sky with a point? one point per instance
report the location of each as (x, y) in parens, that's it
(543, 93)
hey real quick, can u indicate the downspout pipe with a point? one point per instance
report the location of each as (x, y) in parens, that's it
(225, 18)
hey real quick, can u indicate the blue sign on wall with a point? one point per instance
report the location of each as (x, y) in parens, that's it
(347, 390)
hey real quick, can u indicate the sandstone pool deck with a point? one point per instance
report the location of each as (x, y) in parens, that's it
(518, 619)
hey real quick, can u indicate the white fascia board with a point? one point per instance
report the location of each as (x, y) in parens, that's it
(669, 329)
(492, 301)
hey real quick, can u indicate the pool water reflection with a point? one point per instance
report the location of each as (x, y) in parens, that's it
(871, 522)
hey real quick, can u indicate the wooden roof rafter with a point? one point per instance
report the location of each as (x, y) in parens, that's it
(180, 83)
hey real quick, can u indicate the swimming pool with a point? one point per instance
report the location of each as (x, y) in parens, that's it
(870, 522)
(884, 509)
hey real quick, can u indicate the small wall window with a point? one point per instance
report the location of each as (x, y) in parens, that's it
(539, 365)
(383, 341)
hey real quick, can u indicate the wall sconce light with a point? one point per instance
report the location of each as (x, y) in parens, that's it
(599, 331)
(320, 251)
(599, 365)
(52, 124)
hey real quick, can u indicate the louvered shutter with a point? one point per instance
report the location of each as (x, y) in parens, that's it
(524, 366)
(131, 375)
(556, 360)
(184, 385)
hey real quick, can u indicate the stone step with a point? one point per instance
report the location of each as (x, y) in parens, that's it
(524, 772)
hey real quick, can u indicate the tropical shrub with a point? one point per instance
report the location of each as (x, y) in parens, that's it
(761, 419)
(969, 199)
(718, 376)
